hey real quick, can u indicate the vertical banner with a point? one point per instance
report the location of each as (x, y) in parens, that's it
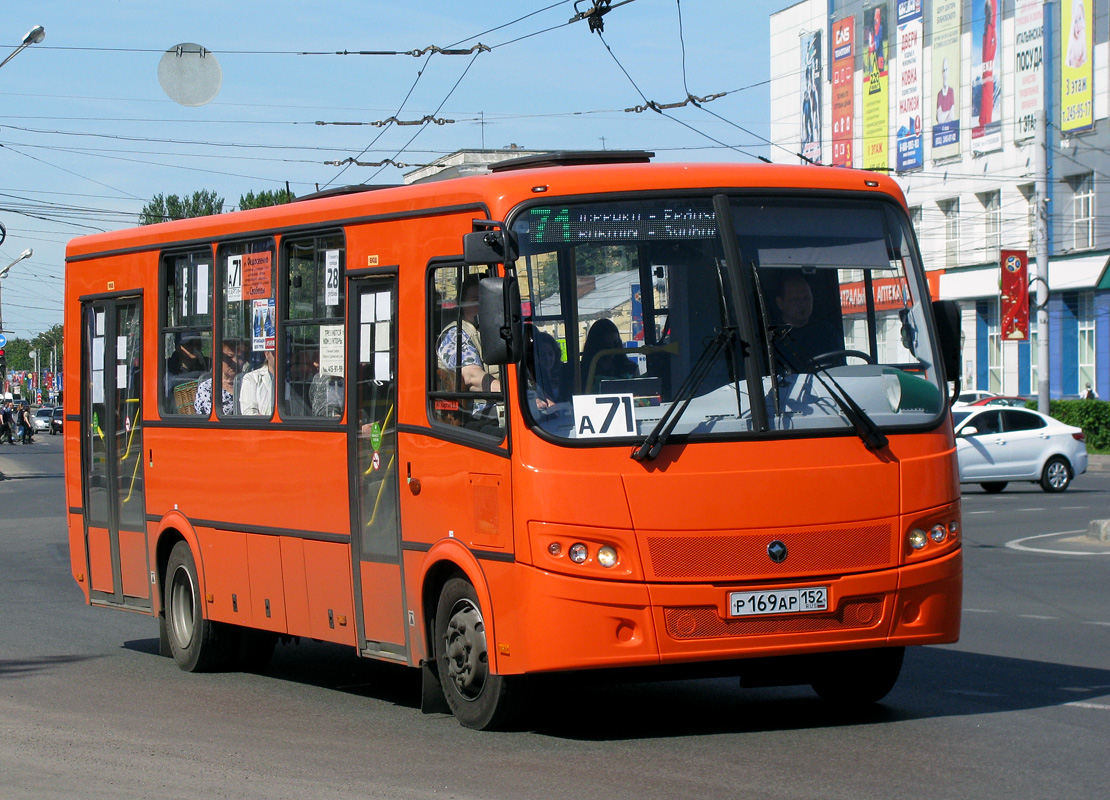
(911, 30)
(1076, 92)
(1015, 295)
(1028, 65)
(811, 96)
(876, 102)
(986, 90)
(947, 17)
(844, 89)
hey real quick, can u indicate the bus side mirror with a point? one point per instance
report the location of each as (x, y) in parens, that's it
(500, 322)
(947, 314)
(488, 247)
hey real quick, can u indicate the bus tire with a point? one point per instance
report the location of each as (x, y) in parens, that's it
(858, 677)
(478, 698)
(197, 644)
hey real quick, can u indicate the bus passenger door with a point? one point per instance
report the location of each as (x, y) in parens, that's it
(375, 516)
(112, 452)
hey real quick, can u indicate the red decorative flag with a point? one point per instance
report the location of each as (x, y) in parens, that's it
(1015, 295)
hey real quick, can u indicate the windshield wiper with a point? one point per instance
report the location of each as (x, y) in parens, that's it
(865, 427)
(655, 440)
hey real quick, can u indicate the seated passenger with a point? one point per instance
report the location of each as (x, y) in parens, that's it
(459, 346)
(256, 393)
(549, 376)
(599, 362)
(230, 363)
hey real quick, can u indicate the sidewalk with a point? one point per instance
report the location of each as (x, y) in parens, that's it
(29, 461)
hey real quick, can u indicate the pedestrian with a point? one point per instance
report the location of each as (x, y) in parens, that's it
(7, 423)
(1089, 394)
(28, 424)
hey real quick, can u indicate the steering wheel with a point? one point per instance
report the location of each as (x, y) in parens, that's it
(826, 359)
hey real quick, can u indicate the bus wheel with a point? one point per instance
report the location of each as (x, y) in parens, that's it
(197, 644)
(478, 698)
(858, 677)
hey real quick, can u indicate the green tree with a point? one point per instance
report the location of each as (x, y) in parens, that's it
(45, 343)
(267, 197)
(17, 353)
(162, 208)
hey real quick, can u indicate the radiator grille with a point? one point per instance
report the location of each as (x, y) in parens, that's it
(741, 556)
(704, 622)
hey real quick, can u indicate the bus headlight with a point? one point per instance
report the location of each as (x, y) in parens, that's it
(578, 553)
(938, 533)
(607, 556)
(918, 539)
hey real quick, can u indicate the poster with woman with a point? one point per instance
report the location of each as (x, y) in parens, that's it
(1076, 92)
(986, 90)
(876, 97)
(811, 97)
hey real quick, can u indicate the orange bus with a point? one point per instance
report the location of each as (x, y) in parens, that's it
(585, 412)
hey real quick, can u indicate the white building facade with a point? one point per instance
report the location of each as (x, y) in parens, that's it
(942, 94)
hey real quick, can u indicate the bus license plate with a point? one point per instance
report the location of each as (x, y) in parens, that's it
(779, 601)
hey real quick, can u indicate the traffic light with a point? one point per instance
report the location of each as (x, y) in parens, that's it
(3, 362)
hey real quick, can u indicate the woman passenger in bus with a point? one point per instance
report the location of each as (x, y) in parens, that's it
(549, 380)
(230, 363)
(604, 336)
(459, 346)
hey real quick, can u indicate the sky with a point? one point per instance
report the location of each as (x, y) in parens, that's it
(88, 136)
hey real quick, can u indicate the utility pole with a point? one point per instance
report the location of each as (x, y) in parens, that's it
(1040, 146)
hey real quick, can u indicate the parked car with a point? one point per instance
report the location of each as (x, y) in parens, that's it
(972, 396)
(996, 445)
(57, 417)
(41, 420)
(1001, 400)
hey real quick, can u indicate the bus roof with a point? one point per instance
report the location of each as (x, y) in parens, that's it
(497, 192)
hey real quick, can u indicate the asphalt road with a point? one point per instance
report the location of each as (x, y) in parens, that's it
(1020, 708)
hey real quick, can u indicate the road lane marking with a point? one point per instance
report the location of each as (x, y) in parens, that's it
(1097, 706)
(1032, 509)
(1035, 616)
(989, 511)
(980, 610)
(1095, 622)
(1017, 544)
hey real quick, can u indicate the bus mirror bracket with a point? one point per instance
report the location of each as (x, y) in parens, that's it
(947, 315)
(490, 243)
(500, 322)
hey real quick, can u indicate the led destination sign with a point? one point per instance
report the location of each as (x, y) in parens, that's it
(593, 224)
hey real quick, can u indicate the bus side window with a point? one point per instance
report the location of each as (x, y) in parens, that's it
(249, 319)
(312, 322)
(464, 391)
(186, 356)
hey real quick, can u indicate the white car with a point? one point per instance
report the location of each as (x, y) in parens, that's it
(996, 445)
(970, 396)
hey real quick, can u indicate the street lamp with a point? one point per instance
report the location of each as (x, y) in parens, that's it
(34, 36)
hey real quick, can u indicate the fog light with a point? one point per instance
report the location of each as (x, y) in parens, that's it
(555, 549)
(578, 553)
(918, 539)
(938, 533)
(607, 556)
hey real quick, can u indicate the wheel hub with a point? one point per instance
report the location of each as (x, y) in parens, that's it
(465, 650)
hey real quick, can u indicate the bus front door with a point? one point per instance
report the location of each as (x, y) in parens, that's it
(112, 452)
(375, 514)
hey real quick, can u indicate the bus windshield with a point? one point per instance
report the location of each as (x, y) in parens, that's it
(809, 311)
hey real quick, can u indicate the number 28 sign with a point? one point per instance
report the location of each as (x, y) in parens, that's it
(597, 415)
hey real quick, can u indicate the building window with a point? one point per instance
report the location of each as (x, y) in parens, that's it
(951, 211)
(992, 223)
(994, 348)
(915, 220)
(1083, 211)
(1086, 341)
(1029, 194)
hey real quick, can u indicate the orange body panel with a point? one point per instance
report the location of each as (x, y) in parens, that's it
(267, 507)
